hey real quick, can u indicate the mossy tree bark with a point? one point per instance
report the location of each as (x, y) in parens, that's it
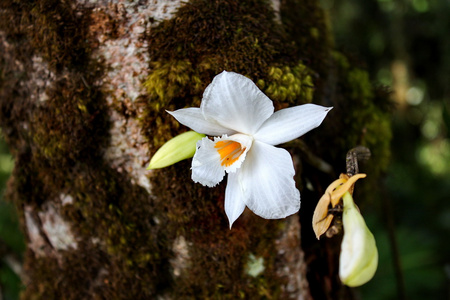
(84, 86)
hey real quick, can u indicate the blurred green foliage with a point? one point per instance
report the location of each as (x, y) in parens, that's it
(11, 238)
(412, 34)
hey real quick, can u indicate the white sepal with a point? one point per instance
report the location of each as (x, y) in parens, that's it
(235, 102)
(234, 199)
(290, 123)
(206, 168)
(266, 178)
(192, 117)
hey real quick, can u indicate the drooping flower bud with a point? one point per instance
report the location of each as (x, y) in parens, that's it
(359, 254)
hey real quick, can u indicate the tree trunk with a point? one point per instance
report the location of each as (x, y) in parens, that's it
(84, 86)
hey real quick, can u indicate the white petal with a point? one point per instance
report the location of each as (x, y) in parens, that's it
(234, 202)
(290, 123)
(266, 178)
(235, 102)
(193, 118)
(206, 168)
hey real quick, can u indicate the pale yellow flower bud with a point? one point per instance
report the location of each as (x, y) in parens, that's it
(359, 254)
(181, 147)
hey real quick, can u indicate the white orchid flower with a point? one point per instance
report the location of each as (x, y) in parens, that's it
(245, 129)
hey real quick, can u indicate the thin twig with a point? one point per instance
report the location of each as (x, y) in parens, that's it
(389, 214)
(11, 260)
(311, 158)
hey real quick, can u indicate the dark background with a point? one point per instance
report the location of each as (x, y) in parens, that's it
(405, 45)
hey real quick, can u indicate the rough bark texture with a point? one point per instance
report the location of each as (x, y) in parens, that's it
(84, 86)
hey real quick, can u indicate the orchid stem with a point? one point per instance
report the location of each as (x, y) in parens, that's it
(359, 153)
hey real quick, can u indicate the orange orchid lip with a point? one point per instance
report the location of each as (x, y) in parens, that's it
(229, 151)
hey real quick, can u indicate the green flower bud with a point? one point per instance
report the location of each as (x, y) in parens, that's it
(359, 254)
(181, 147)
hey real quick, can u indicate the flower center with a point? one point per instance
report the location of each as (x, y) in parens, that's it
(229, 151)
